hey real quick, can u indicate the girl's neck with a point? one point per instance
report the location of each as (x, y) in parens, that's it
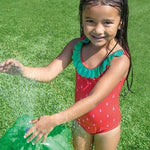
(93, 56)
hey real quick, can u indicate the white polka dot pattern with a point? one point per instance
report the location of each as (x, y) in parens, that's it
(106, 115)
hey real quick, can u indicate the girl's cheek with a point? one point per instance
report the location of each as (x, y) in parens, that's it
(88, 29)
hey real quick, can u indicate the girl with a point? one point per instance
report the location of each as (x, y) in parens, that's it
(102, 61)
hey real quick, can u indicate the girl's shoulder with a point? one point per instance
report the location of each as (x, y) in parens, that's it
(124, 58)
(122, 62)
(73, 42)
(69, 48)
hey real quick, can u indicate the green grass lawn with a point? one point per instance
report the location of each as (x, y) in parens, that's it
(35, 32)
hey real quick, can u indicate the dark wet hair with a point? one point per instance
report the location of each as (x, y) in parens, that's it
(121, 36)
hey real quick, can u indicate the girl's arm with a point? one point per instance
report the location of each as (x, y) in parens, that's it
(118, 70)
(43, 74)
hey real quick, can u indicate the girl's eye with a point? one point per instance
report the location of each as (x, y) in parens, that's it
(107, 22)
(90, 21)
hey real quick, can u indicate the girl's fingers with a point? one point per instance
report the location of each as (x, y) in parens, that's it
(44, 137)
(8, 62)
(33, 136)
(37, 134)
(38, 137)
(38, 131)
(6, 65)
(30, 131)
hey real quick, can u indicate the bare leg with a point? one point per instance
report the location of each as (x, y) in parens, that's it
(108, 140)
(81, 139)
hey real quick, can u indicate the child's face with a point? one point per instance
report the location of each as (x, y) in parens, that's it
(100, 24)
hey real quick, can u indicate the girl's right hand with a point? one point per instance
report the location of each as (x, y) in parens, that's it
(11, 66)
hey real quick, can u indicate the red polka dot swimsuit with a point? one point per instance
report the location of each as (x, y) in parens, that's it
(106, 115)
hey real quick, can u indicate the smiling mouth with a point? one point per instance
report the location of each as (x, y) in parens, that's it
(98, 38)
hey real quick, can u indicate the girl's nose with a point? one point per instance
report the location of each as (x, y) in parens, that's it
(99, 29)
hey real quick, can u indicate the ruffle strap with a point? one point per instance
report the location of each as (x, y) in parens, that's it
(95, 72)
